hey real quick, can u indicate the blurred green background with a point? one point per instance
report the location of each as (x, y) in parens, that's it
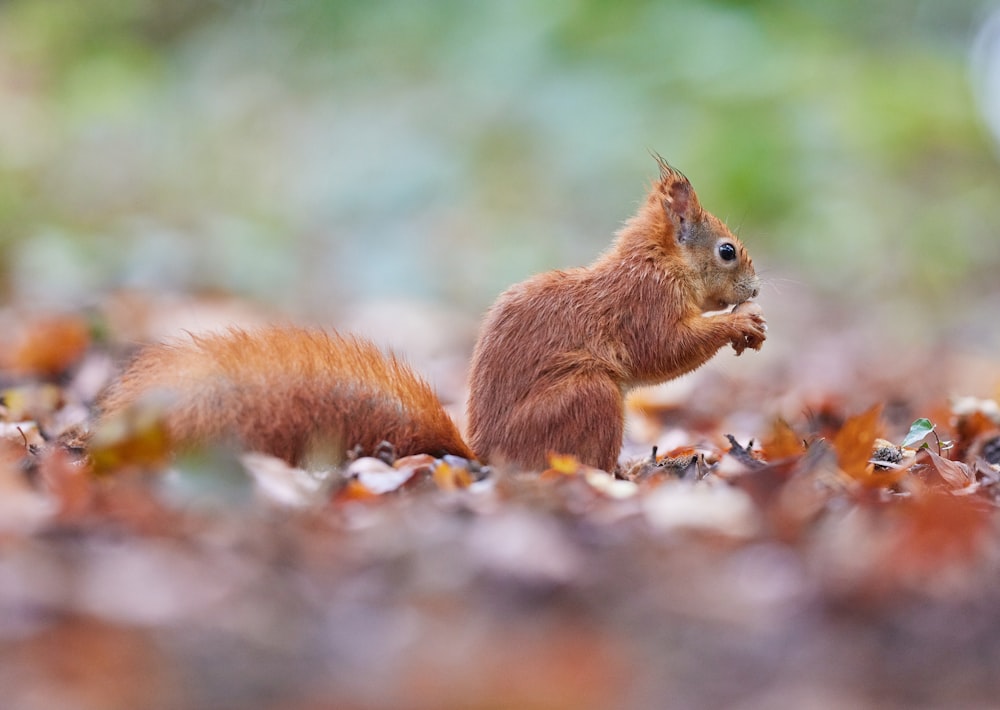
(316, 154)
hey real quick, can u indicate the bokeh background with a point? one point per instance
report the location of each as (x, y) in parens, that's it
(312, 155)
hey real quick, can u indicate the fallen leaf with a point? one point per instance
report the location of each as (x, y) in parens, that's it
(566, 464)
(280, 483)
(49, 345)
(449, 477)
(969, 426)
(378, 476)
(782, 442)
(744, 454)
(135, 440)
(353, 491)
(24, 434)
(416, 462)
(610, 486)
(854, 444)
(954, 474)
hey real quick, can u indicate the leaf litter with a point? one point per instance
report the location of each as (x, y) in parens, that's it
(841, 548)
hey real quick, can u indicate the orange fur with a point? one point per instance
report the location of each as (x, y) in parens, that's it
(557, 353)
(287, 392)
(555, 356)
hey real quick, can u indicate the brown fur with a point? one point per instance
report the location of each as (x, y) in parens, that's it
(555, 357)
(557, 353)
(289, 392)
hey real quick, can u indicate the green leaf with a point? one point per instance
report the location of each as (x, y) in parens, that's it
(918, 430)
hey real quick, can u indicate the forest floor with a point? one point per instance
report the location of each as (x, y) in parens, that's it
(783, 549)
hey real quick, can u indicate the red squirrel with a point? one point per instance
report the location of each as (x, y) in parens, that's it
(555, 357)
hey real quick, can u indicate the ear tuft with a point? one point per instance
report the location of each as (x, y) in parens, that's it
(679, 200)
(667, 171)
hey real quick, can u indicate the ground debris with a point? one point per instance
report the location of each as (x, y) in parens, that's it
(827, 564)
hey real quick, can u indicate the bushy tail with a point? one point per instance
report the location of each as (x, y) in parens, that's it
(287, 392)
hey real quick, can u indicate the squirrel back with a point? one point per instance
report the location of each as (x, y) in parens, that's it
(286, 391)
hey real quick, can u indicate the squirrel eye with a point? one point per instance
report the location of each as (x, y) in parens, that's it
(727, 251)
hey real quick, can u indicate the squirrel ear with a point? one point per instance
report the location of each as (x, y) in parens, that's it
(679, 200)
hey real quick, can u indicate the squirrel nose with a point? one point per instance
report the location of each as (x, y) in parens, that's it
(753, 294)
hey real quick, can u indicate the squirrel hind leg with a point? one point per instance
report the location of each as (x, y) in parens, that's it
(582, 415)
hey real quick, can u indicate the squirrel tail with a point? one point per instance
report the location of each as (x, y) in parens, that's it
(289, 392)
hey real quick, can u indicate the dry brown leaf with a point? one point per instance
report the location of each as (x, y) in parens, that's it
(782, 442)
(608, 485)
(353, 491)
(679, 452)
(986, 447)
(378, 476)
(23, 434)
(49, 346)
(826, 417)
(450, 478)
(137, 440)
(278, 482)
(417, 462)
(564, 464)
(853, 445)
(765, 483)
(954, 474)
(745, 455)
(968, 428)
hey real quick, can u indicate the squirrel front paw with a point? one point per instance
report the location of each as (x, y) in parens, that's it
(750, 327)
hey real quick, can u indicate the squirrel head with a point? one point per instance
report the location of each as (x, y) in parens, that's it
(720, 269)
